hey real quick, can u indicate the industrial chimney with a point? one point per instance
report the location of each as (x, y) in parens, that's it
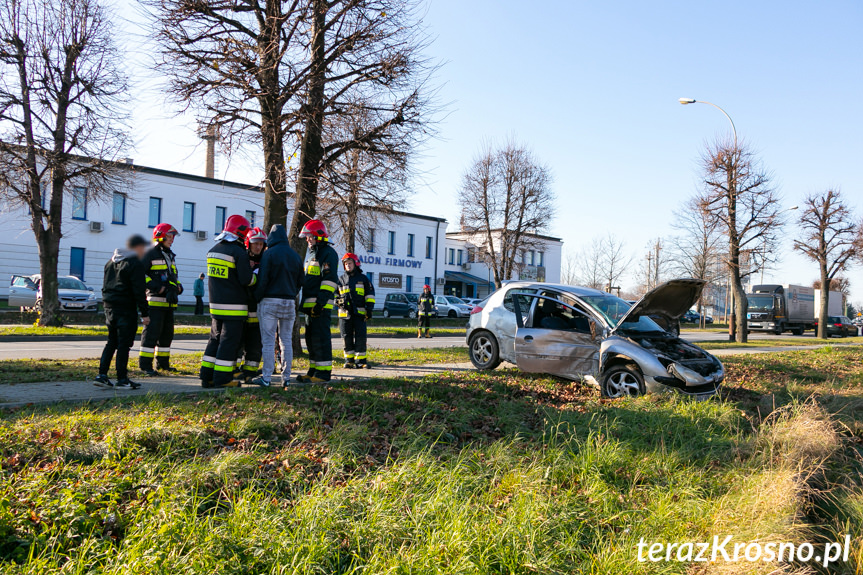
(208, 134)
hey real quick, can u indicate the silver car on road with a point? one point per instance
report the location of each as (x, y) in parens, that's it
(586, 334)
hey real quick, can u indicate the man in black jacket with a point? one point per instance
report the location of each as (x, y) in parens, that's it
(280, 276)
(229, 275)
(123, 296)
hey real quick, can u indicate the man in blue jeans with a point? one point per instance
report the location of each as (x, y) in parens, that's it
(280, 276)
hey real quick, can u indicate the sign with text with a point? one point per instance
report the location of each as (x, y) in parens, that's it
(390, 281)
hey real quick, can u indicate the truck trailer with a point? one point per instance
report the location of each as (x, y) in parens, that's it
(779, 308)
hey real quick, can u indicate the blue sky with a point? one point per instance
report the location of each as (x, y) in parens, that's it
(592, 88)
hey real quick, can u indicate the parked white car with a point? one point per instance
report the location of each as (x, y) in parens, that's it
(24, 292)
(451, 306)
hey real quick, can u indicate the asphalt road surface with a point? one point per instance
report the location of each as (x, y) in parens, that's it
(77, 349)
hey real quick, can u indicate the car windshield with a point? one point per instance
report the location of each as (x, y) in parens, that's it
(70, 283)
(760, 303)
(613, 308)
(454, 300)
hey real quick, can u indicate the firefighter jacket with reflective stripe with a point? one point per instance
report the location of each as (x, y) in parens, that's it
(321, 281)
(163, 285)
(255, 263)
(425, 305)
(356, 294)
(228, 277)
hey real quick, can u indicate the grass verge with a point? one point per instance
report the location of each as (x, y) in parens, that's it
(102, 331)
(776, 342)
(473, 472)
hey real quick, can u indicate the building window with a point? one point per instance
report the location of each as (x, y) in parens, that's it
(76, 262)
(429, 247)
(118, 210)
(45, 195)
(460, 257)
(541, 259)
(427, 281)
(370, 243)
(391, 243)
(451, 256)
(79, 203)
(410, 245)
(371, 276)
(188, 217)
(155, 217)
(250, 215)
(409, 284)
(221, 216)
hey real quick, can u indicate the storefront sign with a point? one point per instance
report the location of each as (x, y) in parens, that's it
(392, 262)
(390, 281)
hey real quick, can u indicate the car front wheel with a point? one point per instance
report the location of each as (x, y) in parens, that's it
(622, 381)
(484, 351)
(451, 313)
(412, 314)
(386, 312)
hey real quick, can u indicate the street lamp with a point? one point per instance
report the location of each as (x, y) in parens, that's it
(687, 101)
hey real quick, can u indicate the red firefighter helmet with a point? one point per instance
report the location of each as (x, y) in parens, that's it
(237, 225)
(256, 235)
(427, 287)
(315, 229)
(162, 231)
(350, 256)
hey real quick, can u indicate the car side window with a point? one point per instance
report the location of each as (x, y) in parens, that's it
(549, 314)
(524, 302)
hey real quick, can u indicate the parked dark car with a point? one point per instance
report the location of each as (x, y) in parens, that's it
(694, 317)
(840, 326)
(401, 305)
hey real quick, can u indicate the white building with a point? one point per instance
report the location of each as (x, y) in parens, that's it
(407, 251)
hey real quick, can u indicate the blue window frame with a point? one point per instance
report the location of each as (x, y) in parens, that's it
(541, 259)
(79, 203)
(410, 245)
(76, 262)
(391, 243)
(221, 216)
(460, 257)
(118, 209)
(188, 216)
(409, 284)
(370, 245)
(371, 276)
(155, 217)
(429, 247)
(427, 281)
(250, 215)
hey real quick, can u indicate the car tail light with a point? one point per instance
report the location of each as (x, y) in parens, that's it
(837, 324)
(476, 309)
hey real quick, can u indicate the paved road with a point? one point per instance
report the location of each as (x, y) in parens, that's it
(76, 349)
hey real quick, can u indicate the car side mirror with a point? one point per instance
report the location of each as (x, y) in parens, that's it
(90, 288)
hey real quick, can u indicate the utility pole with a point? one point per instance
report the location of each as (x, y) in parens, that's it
(649, 273)
(658, 249)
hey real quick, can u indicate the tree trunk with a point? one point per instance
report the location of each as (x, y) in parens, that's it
(825, 301)
(49, 251)
(275, 191)
(741, 306)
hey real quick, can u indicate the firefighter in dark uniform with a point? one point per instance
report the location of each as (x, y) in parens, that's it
(163, 291)
(250, 350)
(229, 275)
(319, 290)
(425, 308)
(356, 300)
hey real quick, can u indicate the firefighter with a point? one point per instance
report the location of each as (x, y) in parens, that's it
(319, 289)
(229, 274)
(163, 291)
(356, 300)
(425, 307)
(250, 350)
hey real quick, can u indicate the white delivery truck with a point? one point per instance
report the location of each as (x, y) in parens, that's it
(835, 305)
(777, 308)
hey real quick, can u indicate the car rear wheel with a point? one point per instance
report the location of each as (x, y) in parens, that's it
(622, 381)
(484, 351)
(412, 314)
(451, 313)
(386, 312)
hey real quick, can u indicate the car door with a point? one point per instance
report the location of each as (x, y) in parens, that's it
(564, 342)
(22, 292)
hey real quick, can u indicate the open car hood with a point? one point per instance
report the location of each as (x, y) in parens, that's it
(669, 301)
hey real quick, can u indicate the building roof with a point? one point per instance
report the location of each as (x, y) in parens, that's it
(537, 236)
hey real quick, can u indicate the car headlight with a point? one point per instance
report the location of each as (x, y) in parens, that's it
(688, 376)
(92, 296)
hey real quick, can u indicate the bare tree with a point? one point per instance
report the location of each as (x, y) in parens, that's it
(697, 251)
(569, 270)
(589, 266)
(603, 263)
(61, 125)
(505, 200)
(833, 238)
(740, 198)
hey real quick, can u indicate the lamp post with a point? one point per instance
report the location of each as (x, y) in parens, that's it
(685, 102)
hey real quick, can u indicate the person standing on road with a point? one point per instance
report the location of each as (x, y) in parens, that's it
(319, 287)
(124, 295)
(229, 274)
(199, 295)
(425, 307)
(163, 291)
(280, 276)
(250, 350)
(356, 301)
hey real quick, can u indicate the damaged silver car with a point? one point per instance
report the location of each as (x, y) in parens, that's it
(586, 334)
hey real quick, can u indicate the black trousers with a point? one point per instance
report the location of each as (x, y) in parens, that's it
(250, 348)
(319, 343)
(156, 339)
(355, 335)
(122, 325)
(199, 305)
(220, 355)
(423, 321)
